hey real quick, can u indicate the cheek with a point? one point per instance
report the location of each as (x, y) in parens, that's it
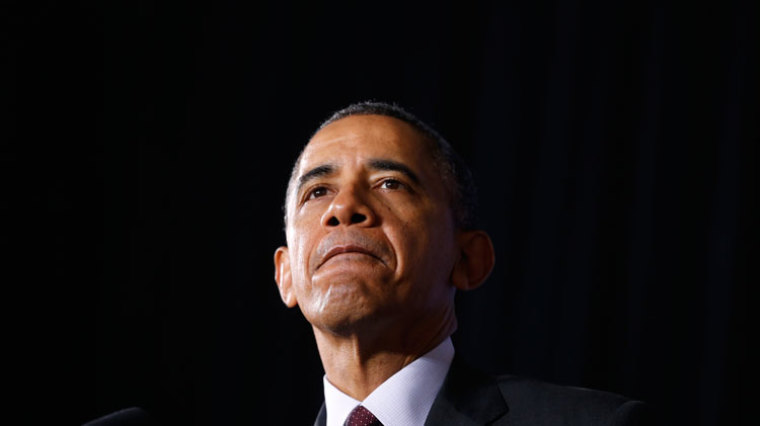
(423, 247)
(300, 260)
(435, 246)
(298, 243)
(302, 235)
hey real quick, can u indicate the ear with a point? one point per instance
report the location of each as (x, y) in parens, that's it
(476, 260)
(283, 277)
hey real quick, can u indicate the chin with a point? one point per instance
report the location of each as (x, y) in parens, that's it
(345, 304)
(344, 318)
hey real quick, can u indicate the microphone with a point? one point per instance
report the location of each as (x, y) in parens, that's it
(133, 416)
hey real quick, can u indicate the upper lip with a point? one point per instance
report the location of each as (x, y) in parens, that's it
(346, 248)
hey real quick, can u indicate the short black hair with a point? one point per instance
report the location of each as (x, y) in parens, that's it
(456, 176)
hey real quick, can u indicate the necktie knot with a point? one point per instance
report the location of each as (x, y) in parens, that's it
(360, 416)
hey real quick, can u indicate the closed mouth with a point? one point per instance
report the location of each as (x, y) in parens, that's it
(337, 250)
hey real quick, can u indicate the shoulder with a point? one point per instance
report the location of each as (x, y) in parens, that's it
(537, 402)
(472, 397)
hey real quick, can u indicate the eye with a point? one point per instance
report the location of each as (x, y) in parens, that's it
(391, 184)
(317, 192)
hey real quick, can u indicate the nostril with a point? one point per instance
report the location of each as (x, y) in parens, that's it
(358, 218)
(333, 221)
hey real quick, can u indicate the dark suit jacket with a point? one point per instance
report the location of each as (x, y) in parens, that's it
(469, 397)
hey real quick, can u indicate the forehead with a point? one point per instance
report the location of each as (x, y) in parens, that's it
(359, 137)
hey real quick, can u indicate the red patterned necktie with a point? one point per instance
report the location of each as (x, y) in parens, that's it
(360, 416)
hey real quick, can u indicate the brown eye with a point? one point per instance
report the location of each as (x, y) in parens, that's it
(391, 184)
(317, 192)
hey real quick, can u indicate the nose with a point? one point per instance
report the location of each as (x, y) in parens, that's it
(349, 207)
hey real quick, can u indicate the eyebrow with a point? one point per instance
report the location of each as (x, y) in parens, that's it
(378, 164)
(316, 172)
(394, 166)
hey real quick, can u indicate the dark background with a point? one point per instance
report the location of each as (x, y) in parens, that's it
(146, 148)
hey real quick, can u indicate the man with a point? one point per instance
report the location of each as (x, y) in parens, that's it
(380, 235)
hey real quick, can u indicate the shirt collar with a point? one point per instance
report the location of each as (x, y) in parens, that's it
(405, 398)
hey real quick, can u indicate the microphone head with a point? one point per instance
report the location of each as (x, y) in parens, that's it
(133, 416)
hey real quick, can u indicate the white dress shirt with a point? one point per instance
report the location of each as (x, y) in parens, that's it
(402, 400)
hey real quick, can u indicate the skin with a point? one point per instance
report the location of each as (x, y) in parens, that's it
(373, 255)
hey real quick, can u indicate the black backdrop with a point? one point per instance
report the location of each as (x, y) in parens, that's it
(147, 147)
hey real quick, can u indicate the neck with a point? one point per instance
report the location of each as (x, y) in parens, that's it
(358, 362)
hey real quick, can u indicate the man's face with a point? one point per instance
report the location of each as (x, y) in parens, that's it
(371, 237)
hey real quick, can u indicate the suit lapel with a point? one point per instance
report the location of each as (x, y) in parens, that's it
(467, 397)
(321, 417)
